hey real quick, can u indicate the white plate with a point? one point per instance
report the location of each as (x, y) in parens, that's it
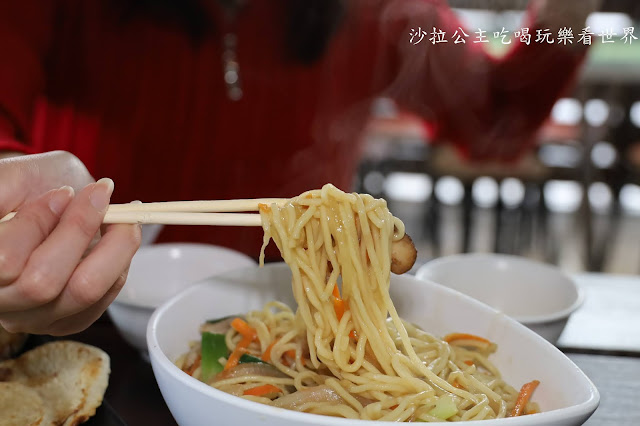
(160, 271)
(566, 395)
(536, 294)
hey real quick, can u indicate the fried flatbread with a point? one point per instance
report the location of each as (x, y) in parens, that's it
(10, 343)
(69, 377)
(20, 405)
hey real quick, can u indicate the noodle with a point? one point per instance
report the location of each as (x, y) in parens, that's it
(345, 351)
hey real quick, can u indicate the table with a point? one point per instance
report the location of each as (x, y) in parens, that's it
(602, 338)
(617, 379)
(609, 319)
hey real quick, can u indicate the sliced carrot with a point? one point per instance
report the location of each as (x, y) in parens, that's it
(193, 366)
(266, 356)
(336, 291)
(262, 390)
(239, 325)
(288, 357)
(457, 385)
(241, 348)
(338, 306)
(464, 336)
(248, 334)
(291, 353)
(523, 397)
(393, 407)
(468, 362)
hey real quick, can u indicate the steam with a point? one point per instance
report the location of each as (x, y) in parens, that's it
(487, 107)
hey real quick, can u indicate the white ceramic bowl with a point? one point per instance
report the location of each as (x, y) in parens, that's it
(159, 272)
(565, 394)
(536, 294)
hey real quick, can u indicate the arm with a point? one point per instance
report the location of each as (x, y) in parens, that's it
(26, 29)
(489, 108)
(527, 82)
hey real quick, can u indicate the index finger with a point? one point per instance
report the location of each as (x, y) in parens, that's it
(53, 262)
(32, 224)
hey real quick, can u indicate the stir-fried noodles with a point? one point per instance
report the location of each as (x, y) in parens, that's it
(345, 351)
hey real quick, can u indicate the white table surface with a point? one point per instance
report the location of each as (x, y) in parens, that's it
(609, 319)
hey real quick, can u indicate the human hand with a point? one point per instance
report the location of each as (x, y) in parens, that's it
(51, 281)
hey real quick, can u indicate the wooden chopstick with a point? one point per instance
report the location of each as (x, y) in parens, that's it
(215, 212)
(185, 218)
(208, 206)
(177, 218)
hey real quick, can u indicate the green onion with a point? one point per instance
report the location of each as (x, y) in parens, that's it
(445, 408)
(246, 359)
(213, 348)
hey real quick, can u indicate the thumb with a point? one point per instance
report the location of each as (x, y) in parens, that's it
(27, 177)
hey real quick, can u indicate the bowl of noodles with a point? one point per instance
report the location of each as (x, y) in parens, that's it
(332, 337)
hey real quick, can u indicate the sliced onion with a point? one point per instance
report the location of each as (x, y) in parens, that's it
(364, 401)
(250, 369)
(321, 393)
(220, 327)
(236, 390)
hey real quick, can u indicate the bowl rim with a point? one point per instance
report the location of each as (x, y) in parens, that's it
(160, 360)
(525, 319)
(122, 298)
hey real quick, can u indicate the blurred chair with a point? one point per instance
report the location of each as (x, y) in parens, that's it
(514, 220)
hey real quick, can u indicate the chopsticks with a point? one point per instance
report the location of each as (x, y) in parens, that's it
(214, 212)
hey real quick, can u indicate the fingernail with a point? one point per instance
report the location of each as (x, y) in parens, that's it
(101, 194)
(60, 199)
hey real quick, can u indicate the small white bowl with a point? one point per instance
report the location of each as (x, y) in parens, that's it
(159, 272)
(536, 294)
(566, 396)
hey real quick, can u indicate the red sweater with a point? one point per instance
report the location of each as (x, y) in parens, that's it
(139, 103)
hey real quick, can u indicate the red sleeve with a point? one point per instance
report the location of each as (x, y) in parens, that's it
(489, 108)
(25, 33)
